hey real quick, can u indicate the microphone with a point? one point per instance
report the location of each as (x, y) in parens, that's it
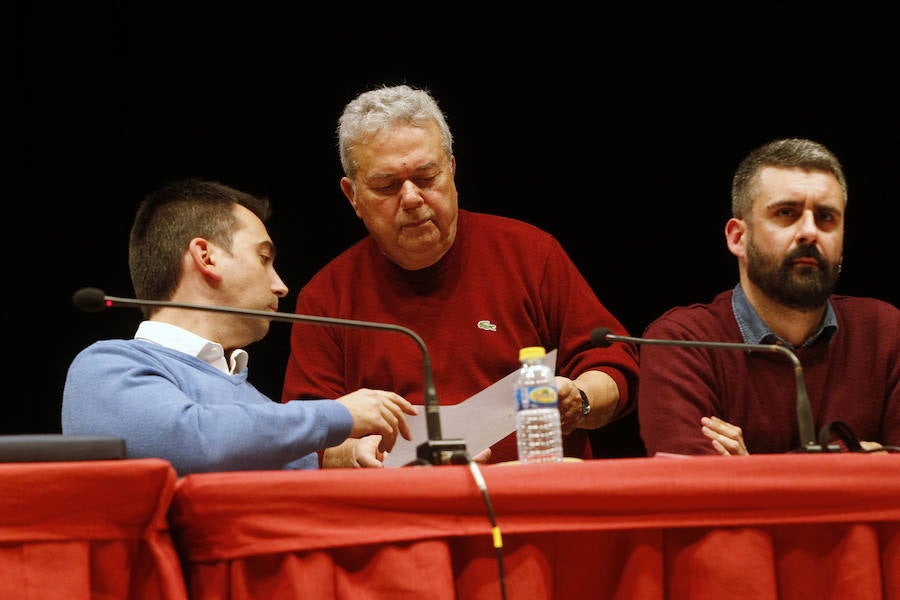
(434, 451)
(602, 337)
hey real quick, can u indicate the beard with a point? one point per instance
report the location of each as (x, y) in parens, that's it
(805, 288)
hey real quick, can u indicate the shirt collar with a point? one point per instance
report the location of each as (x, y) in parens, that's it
(172, 336)
(755, 331)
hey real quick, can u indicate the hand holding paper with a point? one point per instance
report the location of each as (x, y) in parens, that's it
(481, 420)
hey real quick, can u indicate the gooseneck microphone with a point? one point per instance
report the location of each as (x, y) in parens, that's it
(434, 451)
(602, 337)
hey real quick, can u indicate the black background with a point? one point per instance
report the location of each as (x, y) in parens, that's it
(617, 135)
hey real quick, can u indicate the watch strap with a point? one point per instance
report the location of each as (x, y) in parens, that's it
(585, 403)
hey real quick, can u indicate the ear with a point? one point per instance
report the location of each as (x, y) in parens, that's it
(347, 188)
(202, 256)
(735, 236)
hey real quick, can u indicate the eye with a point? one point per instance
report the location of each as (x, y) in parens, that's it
(827, 216)
(385, 188)
(785, 211)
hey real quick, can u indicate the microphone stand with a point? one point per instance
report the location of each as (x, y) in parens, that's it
(434, 451)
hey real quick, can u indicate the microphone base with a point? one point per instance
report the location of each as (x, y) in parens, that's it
(817, 449)
(442, 452)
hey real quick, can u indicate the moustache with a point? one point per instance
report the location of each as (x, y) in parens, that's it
(806, 252)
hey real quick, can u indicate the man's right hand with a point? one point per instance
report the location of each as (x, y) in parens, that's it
(726, 438)
(379, 412)
(355, 453)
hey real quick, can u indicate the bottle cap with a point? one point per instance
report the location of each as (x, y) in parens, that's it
(532, 352)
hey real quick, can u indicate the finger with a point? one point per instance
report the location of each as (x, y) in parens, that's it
(405, 431)
(397, 420)
(720, 448)
(379, 458)
(401, 403)
(723, 427)
(714, 436)
(370, 460)
(388, 439)
(731, 446)
(729, 430)
(375, 440)
(567, 420)
(404, 404)
(870, 446)
(391, 414)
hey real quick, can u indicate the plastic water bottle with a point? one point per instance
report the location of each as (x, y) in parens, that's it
(538, 431)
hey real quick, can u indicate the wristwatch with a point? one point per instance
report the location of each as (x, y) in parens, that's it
(585, 403)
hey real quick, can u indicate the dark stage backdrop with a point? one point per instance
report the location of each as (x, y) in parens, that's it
(622, 149)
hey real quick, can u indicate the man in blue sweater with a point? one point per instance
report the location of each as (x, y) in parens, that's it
(179, 389)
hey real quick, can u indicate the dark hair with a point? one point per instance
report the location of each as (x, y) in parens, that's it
(788, 152)
(169, 218)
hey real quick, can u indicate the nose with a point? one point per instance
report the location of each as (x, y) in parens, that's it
(278, 286)
(410, 196)
(807, 230)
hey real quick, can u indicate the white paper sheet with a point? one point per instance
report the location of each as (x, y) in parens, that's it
(481, 420)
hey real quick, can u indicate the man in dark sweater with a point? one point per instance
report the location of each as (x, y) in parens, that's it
(476, 287)
(787, 232)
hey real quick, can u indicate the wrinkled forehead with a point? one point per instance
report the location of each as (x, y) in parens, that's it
(776, 182)
(402, 146)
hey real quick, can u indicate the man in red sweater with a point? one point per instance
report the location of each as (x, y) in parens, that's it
(475, 287)
(789, 199)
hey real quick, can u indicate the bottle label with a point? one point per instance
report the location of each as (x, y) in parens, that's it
(541, 396)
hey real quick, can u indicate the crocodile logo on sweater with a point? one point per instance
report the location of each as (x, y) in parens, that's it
(487, 325)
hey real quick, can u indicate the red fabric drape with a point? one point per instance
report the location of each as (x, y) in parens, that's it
(88, 529)
(761, 527)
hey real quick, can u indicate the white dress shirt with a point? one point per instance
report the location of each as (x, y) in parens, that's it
(172, 336)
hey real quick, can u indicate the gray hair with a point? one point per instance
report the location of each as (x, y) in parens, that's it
(786, 153)
(376, 110)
